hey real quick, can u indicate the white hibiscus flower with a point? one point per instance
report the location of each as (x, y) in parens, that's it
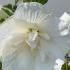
(64, 25)
(30, 39)
(59, 64)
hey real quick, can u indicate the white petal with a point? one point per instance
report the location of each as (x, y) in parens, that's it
(51, 46)
(57, 67)
(6, 28)
(46, 65)
(64, 25)
(59, 64)
(59, 61)
(48, 49)
(22, 25)
(16, 54)
(65, 32)
(28, 11)
(50, 26)
(65, 17)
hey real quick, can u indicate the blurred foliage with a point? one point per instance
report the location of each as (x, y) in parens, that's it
(40, 1)
(8, 10)
(1, 65)
(1, 20)
(66, 65)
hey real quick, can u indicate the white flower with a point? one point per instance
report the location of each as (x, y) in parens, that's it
(64, 25)
(30, 39)
(59, 64)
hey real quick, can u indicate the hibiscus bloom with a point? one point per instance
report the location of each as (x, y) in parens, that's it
(59, 64)
(64, 25)
(30, 39)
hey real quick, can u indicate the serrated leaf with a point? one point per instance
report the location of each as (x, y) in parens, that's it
(40, 1)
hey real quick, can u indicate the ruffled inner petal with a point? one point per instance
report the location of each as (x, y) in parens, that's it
(28, 11)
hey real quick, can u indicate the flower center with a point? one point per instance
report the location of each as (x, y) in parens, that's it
(32, 38)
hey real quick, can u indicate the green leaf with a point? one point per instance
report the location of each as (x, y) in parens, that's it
(7, 12)
(40, 1)
(1, 20)
(0, 65)
(65, 67)
(8, 9)
(9, 6)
